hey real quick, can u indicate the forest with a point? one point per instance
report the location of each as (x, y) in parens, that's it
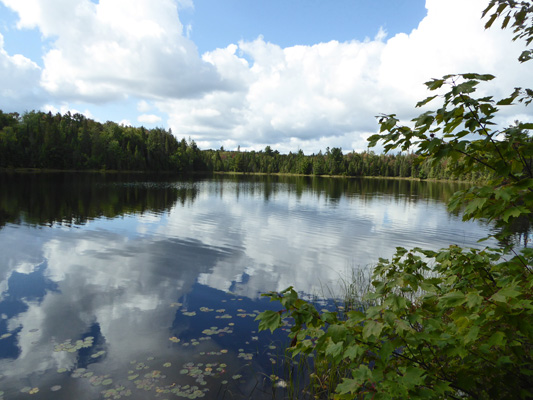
(74, 142)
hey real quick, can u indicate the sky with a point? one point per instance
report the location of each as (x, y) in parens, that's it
(290, 74)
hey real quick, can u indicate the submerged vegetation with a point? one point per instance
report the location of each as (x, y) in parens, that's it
(74, 142)
(455, 323)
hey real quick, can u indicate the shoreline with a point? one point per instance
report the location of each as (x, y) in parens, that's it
(108, 171)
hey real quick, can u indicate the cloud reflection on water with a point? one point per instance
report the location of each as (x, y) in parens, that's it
(116, 277)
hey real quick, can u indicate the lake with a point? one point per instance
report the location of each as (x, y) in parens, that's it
(147, 286)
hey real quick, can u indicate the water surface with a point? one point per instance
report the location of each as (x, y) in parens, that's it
(148, 286)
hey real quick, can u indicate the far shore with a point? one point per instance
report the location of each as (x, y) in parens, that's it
(109, 171)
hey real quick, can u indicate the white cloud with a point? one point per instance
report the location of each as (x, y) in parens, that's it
(143, 106)
(149, 118)
(19, 81)
(115, 49)
(311, 97)
(64, 108)
(256, 93)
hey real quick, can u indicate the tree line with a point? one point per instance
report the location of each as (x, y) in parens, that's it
(74, 142)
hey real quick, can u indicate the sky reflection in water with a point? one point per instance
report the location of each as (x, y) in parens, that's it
(160, 280)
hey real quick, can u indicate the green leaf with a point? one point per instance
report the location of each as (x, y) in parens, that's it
(337, 332)
(472, 334)
(269, 320)
(506, 21)
(329, 317)
(386, 350)
(465, 87)
(509, 100)
(356, 316)
(473, 300)
(435, 84)
(372, 328)
(504, 294)
(353, 351)
(363, 373)
(511, 213)
(425, 101)
(526, 125)
(475, 205)
(491, 20)
(334, 349)
(497, 339)
(289, 297)
(347, 386)
(413, 376)
(453, 299)
(481, 77)
(526, 55)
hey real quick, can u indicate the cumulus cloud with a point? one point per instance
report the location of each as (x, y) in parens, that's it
(255, 93)
(143, 106)
(19, 81)
(149, 118)
(328, 94)
(117, 48)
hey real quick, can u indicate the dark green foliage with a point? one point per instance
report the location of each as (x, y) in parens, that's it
(405, 165)
(43, 140)
(73, 142)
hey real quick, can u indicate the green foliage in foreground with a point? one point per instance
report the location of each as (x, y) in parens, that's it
(460, 328)
(455, 323)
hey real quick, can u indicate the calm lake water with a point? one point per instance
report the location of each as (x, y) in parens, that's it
(148, 286)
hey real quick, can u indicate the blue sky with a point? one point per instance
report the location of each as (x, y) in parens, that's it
(214, 23)
(287, 23)
(292, 74)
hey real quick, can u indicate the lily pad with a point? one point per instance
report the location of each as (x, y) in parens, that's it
(99, 354)
(189, 313)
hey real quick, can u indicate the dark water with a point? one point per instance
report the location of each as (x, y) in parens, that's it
(148, 286)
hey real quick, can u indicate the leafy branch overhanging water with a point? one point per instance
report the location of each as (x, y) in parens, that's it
(469, 334)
